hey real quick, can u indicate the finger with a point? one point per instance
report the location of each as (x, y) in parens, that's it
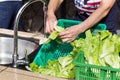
(55, 23)
(67, 40)
(51, 26)
(65, 35)
(47, 27)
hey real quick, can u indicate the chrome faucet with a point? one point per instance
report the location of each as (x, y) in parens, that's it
(17, 61)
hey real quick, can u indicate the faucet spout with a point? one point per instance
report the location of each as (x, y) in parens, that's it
(15, 53)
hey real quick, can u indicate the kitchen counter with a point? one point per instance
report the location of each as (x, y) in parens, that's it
(22, 34)
(8, 73)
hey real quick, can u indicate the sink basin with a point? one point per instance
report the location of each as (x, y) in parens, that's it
(7, 48)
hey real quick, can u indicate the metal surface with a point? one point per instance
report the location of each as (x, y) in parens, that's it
(6, 49)
(15, 52)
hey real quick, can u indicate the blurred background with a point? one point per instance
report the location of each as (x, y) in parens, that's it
(32, 17)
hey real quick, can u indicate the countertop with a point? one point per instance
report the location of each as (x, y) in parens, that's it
(9, 73)
(21, 34)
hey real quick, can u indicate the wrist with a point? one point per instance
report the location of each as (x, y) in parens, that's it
(81, 28)
(50, 12)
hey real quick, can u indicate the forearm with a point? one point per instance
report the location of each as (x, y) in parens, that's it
(53, 5)
(97, 15)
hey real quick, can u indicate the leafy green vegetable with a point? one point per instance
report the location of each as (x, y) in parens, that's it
(33, 67)
(44, 40)
(62, 67)
(59, 28)
(64, 61)
(52, 36)
(100, 49)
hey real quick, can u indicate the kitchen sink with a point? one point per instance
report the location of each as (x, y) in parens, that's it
(24, 46)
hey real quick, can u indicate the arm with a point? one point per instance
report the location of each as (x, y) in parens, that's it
(53, 5)
(51, 18)
(70, 33)
(98, 14)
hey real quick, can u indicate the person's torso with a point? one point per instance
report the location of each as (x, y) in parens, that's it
(87, 6)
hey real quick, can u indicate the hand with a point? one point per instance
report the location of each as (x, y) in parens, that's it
(70, 33)
(50, 20)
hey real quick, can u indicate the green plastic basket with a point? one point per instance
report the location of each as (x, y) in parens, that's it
(93, 72)
(53, 50)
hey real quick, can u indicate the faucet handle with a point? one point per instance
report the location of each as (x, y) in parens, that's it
(22, 62)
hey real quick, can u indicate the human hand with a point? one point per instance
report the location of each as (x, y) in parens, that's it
(70, 33)
(50, 21)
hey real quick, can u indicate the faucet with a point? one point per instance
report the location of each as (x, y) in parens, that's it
(17, 61)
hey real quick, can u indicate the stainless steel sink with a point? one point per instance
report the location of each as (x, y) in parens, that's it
(6, 49)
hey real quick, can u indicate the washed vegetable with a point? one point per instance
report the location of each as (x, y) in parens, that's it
(52, 36)
(62, 67)
(44, 40)
(64, 61)
(101, 49)
(59, 28)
